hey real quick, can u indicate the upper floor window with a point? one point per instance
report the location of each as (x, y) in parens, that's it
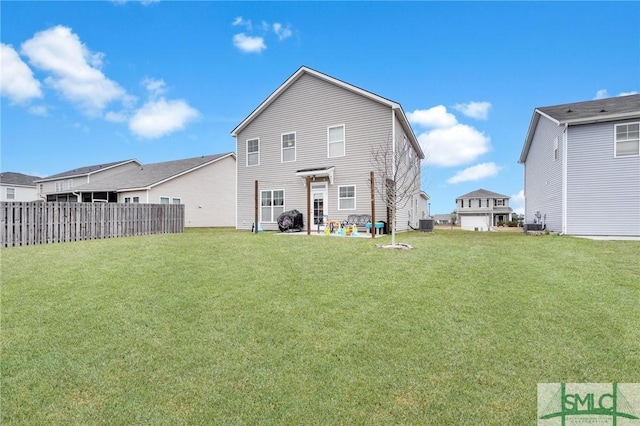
(253, 152)
(347, 197)
(164, 200)
(176, 201)
(136, 199)
(127, 200)
(499, 203)
(627, 139)
(555, 149)
(288, 147)
(60, 186)
(11, 193)
(335, 141)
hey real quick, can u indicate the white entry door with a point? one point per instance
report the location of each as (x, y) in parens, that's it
(319, 207)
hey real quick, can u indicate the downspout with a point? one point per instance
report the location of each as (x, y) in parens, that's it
(565, 145)
(393, 174)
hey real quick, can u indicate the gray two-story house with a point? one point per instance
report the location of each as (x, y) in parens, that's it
(319, 130)
(582, 167)
(480, 210)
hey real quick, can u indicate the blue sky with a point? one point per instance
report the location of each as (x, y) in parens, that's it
(92, 82)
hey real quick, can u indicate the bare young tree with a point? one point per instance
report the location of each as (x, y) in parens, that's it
(397, 177)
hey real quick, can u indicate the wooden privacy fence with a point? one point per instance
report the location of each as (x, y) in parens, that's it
(30, 223)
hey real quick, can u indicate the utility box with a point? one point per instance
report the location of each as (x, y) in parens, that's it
(425, 225)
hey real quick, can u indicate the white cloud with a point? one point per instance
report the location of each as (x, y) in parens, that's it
(75, 70)
(475, 173)
(517, 202)
(240, 21)
(40, 110)
(249, 44)
(281, 31)
(154, 87)
(16, 79)
(477, 110)
(454, 146)
(601, 94)
(116, 117)
(160, 117)
(436, 116)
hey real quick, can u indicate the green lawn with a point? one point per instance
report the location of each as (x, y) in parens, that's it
(223, 327)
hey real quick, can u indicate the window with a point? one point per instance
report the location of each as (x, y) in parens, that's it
(164, 200)
(253, 152)
(288, 147)
(11, 193)
(70, 184)
(627, 139)
(60, 186)
(127, 200)
(271, 205)
(176, 201)
(347, 197)
(136, 199)
(335, 138)
(555, 149)
(499, 203)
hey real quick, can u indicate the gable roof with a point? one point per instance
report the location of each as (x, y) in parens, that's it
(395, 106)
(150, 175)
(18, 179)
(88, 170)
(587, 112)
(482, 193)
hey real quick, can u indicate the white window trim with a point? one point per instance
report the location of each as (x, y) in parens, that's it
(354, 197)
(344, 140)
(13, 194)
(134, 200)
(615, 140)
(127, 200)
(161, 197)
(295, 147)
(284, 204)
(176, 198)
(555, 149)
(247, 152)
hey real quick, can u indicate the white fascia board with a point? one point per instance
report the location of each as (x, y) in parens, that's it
(603, 118)
(535, 118)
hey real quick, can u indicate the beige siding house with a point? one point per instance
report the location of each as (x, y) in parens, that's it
(318, 127)
(62, 186)
(205, 185)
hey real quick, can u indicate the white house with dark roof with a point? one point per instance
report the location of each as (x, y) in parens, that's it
(62, 187)
(582, 167)
(318, 127)
(480, 210)
(205, 185)
(18, 187)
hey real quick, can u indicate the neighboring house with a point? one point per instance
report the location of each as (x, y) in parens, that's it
(318, 127)
(481, 209)
(442, 219)
(62, 186)
(18, 187)
(205, 185)
(582, 167)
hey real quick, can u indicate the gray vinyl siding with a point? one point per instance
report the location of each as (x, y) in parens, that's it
(603, 192)
(49, 187)
(543, 175)
(308, 107)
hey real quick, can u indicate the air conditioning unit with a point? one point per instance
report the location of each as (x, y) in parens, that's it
(425, 225)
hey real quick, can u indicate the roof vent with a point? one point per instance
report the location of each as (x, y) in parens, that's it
(603, 110)
(569, 110)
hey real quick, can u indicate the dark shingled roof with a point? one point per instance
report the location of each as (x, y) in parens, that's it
(11, 178)
(594, 109)
(83, 171)
(148, 174)
(482, 193)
